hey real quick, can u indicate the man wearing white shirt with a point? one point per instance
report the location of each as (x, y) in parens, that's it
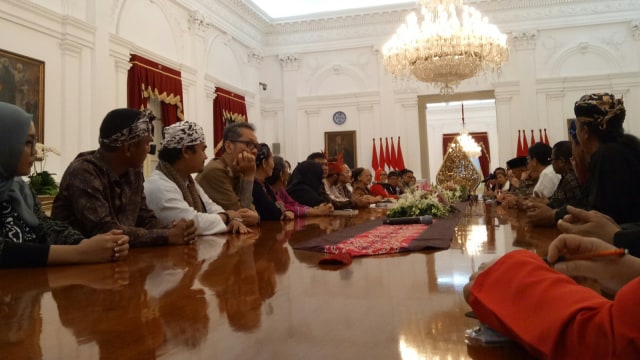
(173, 194)
(540, 163)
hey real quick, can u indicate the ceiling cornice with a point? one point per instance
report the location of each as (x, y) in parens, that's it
(372, 26)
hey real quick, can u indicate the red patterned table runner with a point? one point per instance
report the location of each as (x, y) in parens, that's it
(373, 238)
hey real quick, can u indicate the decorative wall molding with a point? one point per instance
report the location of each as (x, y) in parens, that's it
(198, 23)
(606, 82)
(556, 62)
(70, 48)
(290, 62)
(524, 40)
(255, 56)
(365, 108)
(635, 29)
(374, 25)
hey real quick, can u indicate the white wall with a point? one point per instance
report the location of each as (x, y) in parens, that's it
(313, 68)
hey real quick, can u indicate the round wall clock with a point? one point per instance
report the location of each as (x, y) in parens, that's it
(339, 117)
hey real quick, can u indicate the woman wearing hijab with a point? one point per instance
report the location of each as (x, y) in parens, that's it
(306, 186)
(27, 236)
(278, 182)
(264, 199)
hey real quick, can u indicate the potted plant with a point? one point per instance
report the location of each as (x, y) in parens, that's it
(42, 181)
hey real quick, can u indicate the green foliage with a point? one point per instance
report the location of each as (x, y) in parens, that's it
(43, 183)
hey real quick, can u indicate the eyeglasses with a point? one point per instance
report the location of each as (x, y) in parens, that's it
(248, 143)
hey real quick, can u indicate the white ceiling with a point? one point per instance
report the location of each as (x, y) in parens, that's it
(279, 9)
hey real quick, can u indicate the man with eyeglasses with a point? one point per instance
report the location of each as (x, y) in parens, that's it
(228, 180)
(103, 189)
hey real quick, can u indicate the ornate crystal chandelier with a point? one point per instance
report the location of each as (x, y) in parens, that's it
(469, 145)
(451, 43)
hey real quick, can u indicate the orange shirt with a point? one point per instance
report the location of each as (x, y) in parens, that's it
(551, 315)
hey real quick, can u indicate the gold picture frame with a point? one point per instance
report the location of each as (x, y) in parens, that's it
(342, 141)
(22, 84)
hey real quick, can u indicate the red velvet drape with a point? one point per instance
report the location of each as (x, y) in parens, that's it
(148, 79)
(228, 107)
(482, 139)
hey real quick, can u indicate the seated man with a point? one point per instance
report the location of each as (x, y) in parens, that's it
(382, 186)
(540, 168)
(228, 180)
(516, 167)
(103, 189)
(407, 180)
(519, 182)
(568, 190)
(171, 191)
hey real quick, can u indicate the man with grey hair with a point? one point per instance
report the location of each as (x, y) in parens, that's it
(228, 180)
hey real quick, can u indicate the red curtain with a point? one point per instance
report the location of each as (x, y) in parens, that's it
(482, 139)
(228, 107)
(148, 79)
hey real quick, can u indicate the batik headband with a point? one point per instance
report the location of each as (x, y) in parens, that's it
(181, 134)
(599, 108)
(142, 127)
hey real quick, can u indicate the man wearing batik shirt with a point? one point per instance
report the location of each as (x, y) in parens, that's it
(568, 190)
(103, 189)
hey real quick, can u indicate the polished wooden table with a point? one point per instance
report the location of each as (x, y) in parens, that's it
(253, 297)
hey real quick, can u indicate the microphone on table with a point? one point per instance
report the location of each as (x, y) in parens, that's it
(425, 219)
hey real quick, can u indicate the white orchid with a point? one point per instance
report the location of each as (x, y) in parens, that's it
(435, 201)
(42, 150)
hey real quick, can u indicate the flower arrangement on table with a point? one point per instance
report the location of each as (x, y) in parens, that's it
(425, 199)
(42, 181)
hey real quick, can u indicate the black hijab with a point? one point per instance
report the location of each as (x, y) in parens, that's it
(305, 184)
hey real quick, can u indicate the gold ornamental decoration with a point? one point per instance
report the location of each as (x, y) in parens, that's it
(458, 168)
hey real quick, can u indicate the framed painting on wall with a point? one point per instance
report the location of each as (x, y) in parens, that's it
(344, 142)
(22, 84)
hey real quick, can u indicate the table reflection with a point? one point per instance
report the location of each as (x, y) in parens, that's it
(246, 296)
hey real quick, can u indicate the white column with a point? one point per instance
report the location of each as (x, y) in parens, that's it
(310, 127)
(414, 143)
(523, 52)
(207, 118)
(363, 147)
(189, 93)
(556, 122)
(254, 60)
(292, 149)
(71, 109)
(507, 134)
(120, 50)
(198, 30)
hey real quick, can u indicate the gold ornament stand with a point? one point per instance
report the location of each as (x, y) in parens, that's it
(458, 168)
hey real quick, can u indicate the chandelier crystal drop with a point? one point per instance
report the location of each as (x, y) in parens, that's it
(451, 42)
(469, 145)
